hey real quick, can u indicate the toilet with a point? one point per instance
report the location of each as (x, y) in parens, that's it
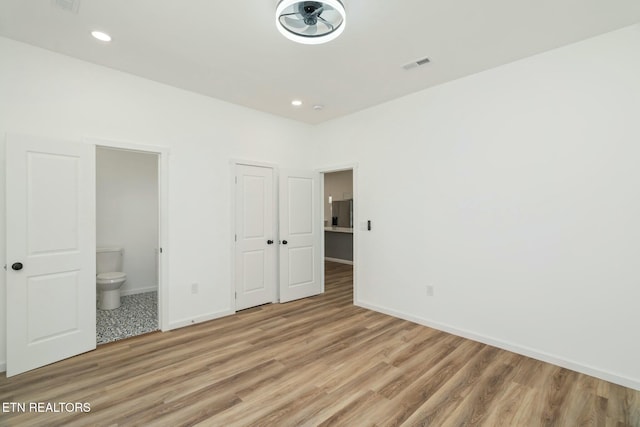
(109, 277)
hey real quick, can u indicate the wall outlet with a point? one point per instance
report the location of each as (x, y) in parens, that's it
(194, 288)
(429, 290)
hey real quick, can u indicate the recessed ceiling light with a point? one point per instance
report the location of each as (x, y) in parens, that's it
(296, 103)
(318, 107)
(103, 37)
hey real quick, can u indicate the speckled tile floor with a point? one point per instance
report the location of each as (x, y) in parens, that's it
(137, 315)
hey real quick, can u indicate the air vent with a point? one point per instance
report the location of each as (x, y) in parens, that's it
(67, 5)
(416, 64)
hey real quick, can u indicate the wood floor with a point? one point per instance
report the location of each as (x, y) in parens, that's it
(318, 361)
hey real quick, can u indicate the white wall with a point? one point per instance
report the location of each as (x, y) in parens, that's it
(127, 213)
(44, 93)
(519, 189)
(338, 185)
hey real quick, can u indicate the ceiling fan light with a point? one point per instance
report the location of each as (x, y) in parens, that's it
(301, 22)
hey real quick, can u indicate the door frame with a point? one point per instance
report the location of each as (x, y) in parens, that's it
(163, 219)
(356, 223)
(232, 242)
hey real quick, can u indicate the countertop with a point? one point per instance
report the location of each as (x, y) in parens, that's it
(339, 229)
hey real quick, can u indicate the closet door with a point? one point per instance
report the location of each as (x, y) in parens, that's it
(300, 228)
(255, 246)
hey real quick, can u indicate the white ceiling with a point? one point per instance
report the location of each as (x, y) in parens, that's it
(232, 51)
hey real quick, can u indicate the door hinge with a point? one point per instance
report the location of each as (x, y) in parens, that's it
(235, 238)
(236, 295)
(236, 179)
(160, 250)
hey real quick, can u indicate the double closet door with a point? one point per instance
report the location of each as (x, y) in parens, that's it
(277, 235)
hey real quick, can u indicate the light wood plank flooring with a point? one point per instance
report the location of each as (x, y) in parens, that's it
(318, 361)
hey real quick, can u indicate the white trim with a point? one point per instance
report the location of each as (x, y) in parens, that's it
(163, 216)
(3, 367)
(232, 235)
(245, 162)
(338, 260)
(126, 145)
(339, 168)
(163, 241)
(199, 319)
(505, 345)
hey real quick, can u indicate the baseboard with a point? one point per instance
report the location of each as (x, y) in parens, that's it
(514, 348)
(341, 261)
(199, 319)
(172, 325)
(125, 292)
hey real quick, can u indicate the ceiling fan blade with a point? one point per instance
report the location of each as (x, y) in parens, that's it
(313, 29)
(289, 14)
(294, 23)
(317, 12)
(327, 23)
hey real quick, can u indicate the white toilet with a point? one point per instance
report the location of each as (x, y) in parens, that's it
(109, 277)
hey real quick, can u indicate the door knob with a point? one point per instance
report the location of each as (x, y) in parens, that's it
(17, 266)
(269, 242)
(284, 242)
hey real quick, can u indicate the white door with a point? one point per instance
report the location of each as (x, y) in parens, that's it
(51, 286)
(300, 229)
(255, 235)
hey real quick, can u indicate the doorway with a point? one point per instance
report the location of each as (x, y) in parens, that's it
(127, 231)
(51, 245)
(339, 246)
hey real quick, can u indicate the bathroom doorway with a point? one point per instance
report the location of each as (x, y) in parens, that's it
(339, 246)
(127, 219)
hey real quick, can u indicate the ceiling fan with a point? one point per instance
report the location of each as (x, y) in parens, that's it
(310, 22)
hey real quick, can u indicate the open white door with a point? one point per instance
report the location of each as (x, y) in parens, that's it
(51, 287)
(254, 239)
(300, 229)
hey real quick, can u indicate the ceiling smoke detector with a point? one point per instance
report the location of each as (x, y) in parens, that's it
(310, 22)
(67, 5)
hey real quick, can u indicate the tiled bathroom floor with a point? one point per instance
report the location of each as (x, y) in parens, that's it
(137, 315)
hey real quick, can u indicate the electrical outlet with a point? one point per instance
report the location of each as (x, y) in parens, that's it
(194, 288)
(429, 290)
